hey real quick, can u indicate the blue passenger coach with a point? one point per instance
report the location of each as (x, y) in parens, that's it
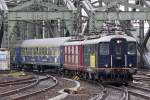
(39, 52)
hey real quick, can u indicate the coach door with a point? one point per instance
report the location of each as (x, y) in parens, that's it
(118, 52)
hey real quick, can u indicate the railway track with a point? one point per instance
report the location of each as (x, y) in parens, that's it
(101, 95)
(30, 90)
(141, 87)
(116, 93)
(109, 92)
(30, 79)
(136, 91)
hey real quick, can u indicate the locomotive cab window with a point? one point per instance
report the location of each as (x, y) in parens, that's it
(118, 49)
(104, 49)
(131, 48)
(92, 49)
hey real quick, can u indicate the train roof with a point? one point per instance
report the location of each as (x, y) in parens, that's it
(4, 49)
(101, 39)
(48, 42)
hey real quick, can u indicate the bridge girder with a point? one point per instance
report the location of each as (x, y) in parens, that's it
(39, 15)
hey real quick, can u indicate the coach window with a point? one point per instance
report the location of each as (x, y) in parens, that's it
(54, 50)
(49, 51)
(45, 51)
(73, 54)
(65, 50)
(27, 53)
(65, 54)
(30, 51)
(33, 51)
(131, 48)
(69, 58)
(42, 51)
(76, 57)
(37, 51)
(57, 51)
(77, 51)
(24, 51)
(104, 49)
(92, 49)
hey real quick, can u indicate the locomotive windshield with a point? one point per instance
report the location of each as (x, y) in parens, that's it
(132, 48)
(104, 49)
(118, 49)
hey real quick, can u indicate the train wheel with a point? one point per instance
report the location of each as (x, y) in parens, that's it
(66, 72)
(84, 76)
(91, 76)
(39, 69)
(42, 68)
(126, 83)
(101, 79)
(19, 67)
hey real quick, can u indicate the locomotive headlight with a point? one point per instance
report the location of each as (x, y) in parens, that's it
(106, 65)
(119, 41)
(130, 65)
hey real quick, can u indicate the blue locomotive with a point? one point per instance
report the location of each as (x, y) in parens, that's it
(110, 58)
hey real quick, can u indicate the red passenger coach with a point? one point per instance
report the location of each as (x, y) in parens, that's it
(73, 55)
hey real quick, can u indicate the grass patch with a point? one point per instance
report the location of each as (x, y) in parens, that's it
(16, 74)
